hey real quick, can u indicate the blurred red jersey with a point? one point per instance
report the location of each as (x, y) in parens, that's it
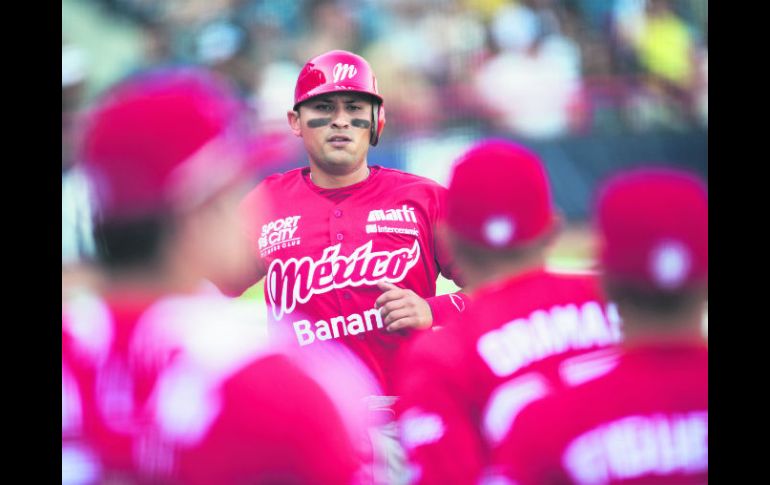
(454, 409)
(640, 417)
(324, 250)
(182, 390)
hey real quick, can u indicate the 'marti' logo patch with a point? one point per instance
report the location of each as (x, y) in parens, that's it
(404, 214)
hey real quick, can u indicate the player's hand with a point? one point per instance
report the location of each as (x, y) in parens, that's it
(401, 309)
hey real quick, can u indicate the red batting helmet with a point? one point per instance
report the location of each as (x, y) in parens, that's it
(337, 71)
(163, 139)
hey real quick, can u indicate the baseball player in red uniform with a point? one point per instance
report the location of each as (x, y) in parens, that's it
(640, 414)
(460, 383)
(164, 379)
(347, 250)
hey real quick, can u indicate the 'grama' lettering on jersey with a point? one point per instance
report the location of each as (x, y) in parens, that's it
(524, 341)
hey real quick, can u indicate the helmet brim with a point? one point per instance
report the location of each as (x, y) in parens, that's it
(337, 89)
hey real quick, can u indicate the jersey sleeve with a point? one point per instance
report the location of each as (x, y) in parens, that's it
(444, 308)
(251, 211)
(435, 424)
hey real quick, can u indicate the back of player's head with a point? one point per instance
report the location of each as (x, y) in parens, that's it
(652, 227)
(162, 139)
(157, 144)
(499, 197)
(336, 72)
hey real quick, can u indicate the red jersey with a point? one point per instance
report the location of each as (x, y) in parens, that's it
(182, 390)
(453, 410)
(641, 416)
(323, 251)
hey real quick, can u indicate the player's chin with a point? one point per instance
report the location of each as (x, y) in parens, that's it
(340, 163)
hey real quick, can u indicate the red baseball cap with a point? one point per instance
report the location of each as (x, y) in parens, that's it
(653, 229)
(164, 139)
(499, 196)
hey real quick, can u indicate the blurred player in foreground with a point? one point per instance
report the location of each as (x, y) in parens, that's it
(641, 414)
(165, 380)
(348, 250)
(500, 222)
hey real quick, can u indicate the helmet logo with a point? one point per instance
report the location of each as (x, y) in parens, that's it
(341, 71)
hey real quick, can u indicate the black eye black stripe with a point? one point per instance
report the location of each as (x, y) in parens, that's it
(318, 122)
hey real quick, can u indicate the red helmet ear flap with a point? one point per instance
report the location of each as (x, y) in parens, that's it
(378, 122)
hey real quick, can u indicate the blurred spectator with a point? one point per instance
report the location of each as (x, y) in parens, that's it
(158, 40)
(666, 49)
(626, 26)
(275, 91)
(225, 47)
(595, 14)
(656, 43)
(273, 27)
(701, 91)
(533, 82)
(330, 25)
(485, 9)
(428, 52)
(404, 70)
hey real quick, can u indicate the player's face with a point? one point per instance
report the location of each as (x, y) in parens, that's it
(335, 129)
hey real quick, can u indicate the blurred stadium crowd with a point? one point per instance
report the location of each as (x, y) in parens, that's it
(626, 75)
(568, 67)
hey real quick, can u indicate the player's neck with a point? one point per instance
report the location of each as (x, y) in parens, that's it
(640, 329)
(636, 335)
(327, 180)
(502, 270)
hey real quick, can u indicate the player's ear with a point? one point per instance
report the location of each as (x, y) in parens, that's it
(557, 226)
(447, 240)
(294, 122)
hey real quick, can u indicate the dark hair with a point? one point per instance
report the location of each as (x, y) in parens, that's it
(130, 244)
(653, 302)
(484, 257)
